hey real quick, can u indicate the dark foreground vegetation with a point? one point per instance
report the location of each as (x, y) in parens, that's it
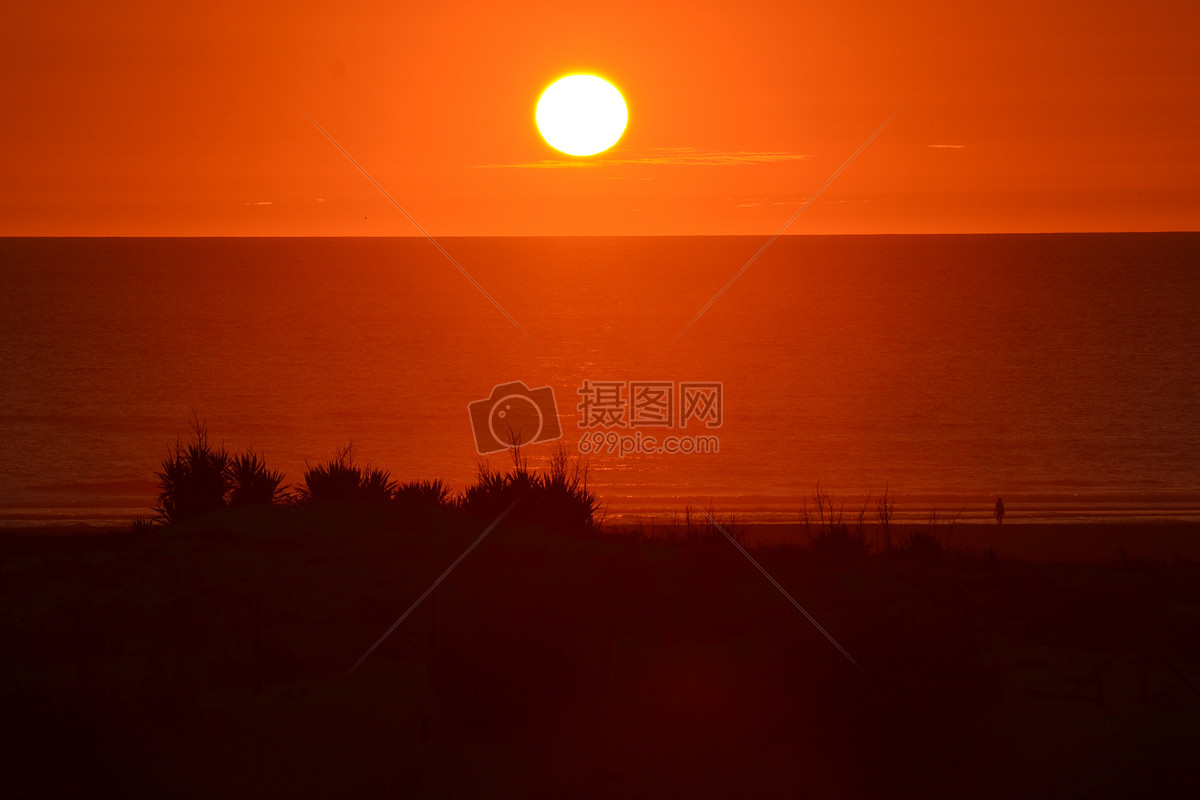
(210, 659)
(199, 477)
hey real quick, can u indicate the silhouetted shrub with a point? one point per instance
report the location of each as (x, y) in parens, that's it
(494, 491)
(423, 494)
(563, 496)
(375, 485)
(558, 499)
(251, 482)
(197, 478)
(340, 480)
(193, 480)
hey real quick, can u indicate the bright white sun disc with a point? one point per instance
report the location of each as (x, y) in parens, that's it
(581, 115)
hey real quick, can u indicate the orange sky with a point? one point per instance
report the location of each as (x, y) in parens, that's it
(144, 119)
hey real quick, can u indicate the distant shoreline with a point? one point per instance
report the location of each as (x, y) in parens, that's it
(770, 512)
(1093, 542)
(103, 520)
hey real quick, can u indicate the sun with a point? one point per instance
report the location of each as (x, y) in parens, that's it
(581, 115)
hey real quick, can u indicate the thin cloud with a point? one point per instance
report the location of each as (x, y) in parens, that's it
(946, 146)
(755, 202)
(669, 156)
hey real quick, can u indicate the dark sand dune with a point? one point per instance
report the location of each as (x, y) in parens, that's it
(211, 660)
(1093, 543)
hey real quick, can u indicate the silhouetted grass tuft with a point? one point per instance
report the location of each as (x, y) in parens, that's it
(423, 495)
(197, 478)
(885, 512)
(340, 480)
(559, 498)
(922, 543)
(494, 491)
(193, 479)
(832, 536)
(700, 526)
(141, 523)
(929, 542)
(839, 541)
(252, 482)
(563, 493)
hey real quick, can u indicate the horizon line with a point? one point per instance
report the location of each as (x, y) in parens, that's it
(585, 235)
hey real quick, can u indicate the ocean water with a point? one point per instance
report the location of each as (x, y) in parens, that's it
(1061, 372)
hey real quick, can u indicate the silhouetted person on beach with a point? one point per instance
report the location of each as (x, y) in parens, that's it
(1000, 510)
